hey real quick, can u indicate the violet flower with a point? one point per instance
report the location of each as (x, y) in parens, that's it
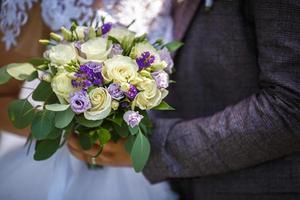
(89, 74)
(115, 91)
(80, 102)
(161, 78)
(132, 118)
(105, 28)
(145, 60)
(165, 55)
(132, 92)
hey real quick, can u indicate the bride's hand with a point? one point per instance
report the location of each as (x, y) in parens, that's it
(113, 154)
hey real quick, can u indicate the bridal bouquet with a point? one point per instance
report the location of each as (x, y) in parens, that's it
(95, 82)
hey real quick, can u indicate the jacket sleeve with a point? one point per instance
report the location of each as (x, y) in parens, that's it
(260, 128)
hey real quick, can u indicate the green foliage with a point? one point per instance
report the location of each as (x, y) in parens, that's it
(129, 143)
(140, 152)
(113, 39)
(20, 71)
(46, 148)
(121, 130)
(88, 123)
(104, 136)
(173, 46)
(42, 124)
(20, 113)
(4, 76)
(64, 118)
(55, 133)
(42, 92)
(163, 106)
(32, 76)
(133, 130)
(57, 107)
(38, 61)
(85, 141)
(117, 118)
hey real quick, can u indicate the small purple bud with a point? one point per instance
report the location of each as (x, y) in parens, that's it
(124, 104)
(132, 92)
(106, 27)
(132, 118)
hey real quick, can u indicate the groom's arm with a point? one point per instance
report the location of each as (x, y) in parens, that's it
(262, 127)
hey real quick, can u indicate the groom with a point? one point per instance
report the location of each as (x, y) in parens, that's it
(236, 129)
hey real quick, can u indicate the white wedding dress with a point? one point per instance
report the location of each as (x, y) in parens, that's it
(63, 177)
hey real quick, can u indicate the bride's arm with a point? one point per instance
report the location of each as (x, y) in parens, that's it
(27, 47)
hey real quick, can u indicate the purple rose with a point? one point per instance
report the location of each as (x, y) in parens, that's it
(165, 55)
(80, 102)
(132, 118)
(115, 91)
(161, 78)
(132, 92)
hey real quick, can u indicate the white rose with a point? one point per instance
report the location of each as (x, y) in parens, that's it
(150, 96)
(96, 49)
(120, 69)
(101, 104)
(62, 54)
(62, 86)
(122, 34)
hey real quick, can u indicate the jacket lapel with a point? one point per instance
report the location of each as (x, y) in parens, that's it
(183, 13)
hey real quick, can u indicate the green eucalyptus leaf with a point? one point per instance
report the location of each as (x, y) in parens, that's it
(140, 152)
(104, 136)
(173, 46)
(133, 130)
(20, 113)
(57, 107)
(46, 148)
(52, 99)
(121, 130)
(32, 76)
(88, 123)
(4, 76)
(42, 92)
(129, 143)
(55, 133)
(38, 61)
(117, 119)
(42, 124)
(20, 71)
(64, 118)
(85, 141)
(163, 106)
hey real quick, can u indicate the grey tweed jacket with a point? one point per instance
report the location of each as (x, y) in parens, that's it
(235, 133)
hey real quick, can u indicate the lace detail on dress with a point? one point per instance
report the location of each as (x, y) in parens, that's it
(58, 13)
(151, 16)
(13, 15)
